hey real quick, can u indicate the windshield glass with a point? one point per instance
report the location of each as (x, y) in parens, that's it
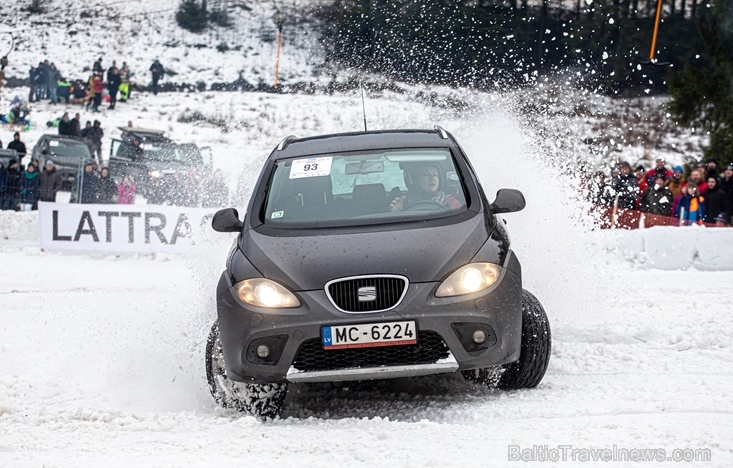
(68, 149)
(166, 152)
(364, 188)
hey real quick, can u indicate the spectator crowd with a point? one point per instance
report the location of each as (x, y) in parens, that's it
(662, 195)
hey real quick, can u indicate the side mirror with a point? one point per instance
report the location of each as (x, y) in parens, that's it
(44, 151)
(508, 201)
(226, 220)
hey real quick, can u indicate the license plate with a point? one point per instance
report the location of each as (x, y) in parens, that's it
(369, 335)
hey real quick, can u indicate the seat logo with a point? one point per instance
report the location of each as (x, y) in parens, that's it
(367, 293)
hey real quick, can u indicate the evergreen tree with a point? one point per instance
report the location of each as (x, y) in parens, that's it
(702, 93)
(191, 15)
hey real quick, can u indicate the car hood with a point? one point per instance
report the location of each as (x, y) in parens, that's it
(421, 254)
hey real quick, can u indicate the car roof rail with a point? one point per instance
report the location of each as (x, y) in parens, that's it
(441, 131)
(284, 144)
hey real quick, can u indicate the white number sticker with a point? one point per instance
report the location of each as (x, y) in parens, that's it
(311, 167)
(277, 214)
(53, 143)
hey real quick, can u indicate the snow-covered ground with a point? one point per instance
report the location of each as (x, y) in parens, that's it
(102, 356)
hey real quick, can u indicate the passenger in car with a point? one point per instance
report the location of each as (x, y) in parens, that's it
(424, 185)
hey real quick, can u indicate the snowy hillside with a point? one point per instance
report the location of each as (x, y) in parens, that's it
(73, 35)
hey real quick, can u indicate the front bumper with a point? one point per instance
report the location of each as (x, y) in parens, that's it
(441, 347)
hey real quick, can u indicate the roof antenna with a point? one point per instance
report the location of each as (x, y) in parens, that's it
(363, 108)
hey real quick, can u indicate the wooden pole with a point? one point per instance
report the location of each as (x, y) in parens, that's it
(277, 60)
(656, 30)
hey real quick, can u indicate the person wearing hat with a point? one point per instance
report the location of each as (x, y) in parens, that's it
(726, 182)
(626, 187)
(722, 220)
(12, 186)
(691, 207)
(640, 179)
(29, 188)
(677, 181)
(716, 201)
(50, 182)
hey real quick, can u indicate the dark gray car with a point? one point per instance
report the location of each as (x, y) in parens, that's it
(370, 255)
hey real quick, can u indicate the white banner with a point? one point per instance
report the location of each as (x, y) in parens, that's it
(121, 228)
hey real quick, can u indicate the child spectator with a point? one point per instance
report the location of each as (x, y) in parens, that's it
(691, 207)
(126, 191)
(98, 87)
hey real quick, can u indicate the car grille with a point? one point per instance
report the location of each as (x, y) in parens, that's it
(382, 292)
(430, 348)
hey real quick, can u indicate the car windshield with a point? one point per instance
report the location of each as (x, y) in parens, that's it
(68, 149)
(364, 188)
(163, 151)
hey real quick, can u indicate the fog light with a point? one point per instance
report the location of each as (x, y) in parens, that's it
(479, 336)
(263, 351)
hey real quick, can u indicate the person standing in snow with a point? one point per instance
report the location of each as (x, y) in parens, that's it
(657, 199)
(126, 191)
(107, 189)
(64, 128)
(113, 85)
(125, 76)
(89, 183)
(29, 188)
(75, 126)
(3, 178)
(97, 68)
(626, 187)
(716, 200)
(52, 82)
(677, 181)
(691, 207)
(98, 87)
(50, 183)
(158, 72)
(95, 135)
(12, 186)
(18, 146)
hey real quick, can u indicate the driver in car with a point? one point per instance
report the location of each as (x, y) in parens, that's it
(423, 184)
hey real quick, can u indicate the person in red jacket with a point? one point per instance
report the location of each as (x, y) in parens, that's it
(658, 171)
(98, 87)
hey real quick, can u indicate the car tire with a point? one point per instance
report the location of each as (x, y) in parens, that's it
(260, 400)
(534, 357)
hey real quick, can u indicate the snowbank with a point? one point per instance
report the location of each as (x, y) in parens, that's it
(672, 248)
(18, 226)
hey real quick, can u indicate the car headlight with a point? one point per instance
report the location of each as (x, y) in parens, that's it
(262, 292)
(155, 174)
(468, 279)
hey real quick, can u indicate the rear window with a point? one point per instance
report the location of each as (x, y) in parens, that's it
(364, 188)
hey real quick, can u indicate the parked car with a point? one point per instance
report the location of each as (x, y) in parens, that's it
(6, 155)
(163, 171)
(68, 154)
(370, 255)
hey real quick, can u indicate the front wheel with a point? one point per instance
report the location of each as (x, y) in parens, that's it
(260, 400)
(534, 356)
